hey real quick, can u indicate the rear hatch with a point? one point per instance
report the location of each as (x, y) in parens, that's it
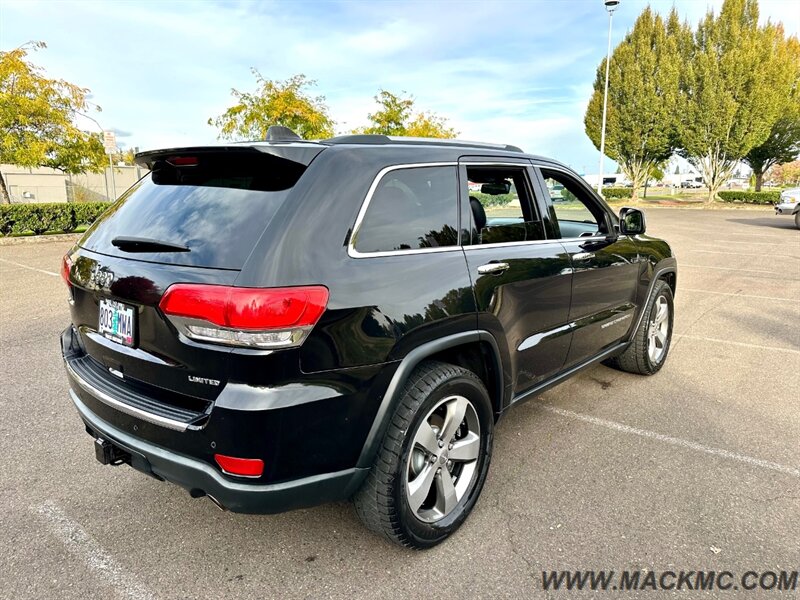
(195, 218)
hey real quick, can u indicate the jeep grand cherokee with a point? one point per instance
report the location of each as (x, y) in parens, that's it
(284, 323)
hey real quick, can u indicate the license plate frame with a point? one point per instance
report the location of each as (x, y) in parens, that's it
(116, 321)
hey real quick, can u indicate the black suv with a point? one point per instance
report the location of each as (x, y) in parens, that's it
(285, 323)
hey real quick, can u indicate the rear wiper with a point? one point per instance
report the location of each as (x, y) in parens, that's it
(137, 244)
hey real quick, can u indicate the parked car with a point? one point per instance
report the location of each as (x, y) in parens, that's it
(691, 184)
(279, 324)
(789, 204)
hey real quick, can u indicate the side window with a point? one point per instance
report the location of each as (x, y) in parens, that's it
(502, 204)
(577, 212)
(410, 209)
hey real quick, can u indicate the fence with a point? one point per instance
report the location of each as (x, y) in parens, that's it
(49, 185)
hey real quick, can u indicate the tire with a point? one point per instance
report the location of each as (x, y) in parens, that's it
(404, 464)
(639, 356)
(797, 220)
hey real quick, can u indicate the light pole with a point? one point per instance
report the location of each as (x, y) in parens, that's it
(110, 161)
(611, 6)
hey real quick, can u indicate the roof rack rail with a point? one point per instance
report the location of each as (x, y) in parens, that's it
(394, 139)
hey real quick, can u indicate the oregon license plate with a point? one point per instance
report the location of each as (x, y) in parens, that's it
(117, 321)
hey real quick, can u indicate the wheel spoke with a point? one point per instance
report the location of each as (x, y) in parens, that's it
(456, 409)
(466, 449)
(420, 487)
(446, 498)
(426, 437)
(661, 336)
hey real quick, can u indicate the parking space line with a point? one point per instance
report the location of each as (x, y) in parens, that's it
(86, 548)
(11, 262)
(725, 253)
(788, 301)
(730, 269)
(742, 344)
(674, 441)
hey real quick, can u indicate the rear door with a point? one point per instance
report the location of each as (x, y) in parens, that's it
(605, 264)
(194, 219)
(522, 280)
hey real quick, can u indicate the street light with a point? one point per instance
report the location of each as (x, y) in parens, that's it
(110, 160)
(611, 6)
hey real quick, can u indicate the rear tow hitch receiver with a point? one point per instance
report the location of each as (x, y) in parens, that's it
(108, 454)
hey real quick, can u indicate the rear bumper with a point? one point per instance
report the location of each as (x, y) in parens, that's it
(200, 479)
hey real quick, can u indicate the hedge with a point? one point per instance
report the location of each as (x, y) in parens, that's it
(750, 197)
(51, 216)
(617, 193)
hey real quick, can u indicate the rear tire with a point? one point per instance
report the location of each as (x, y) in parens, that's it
(648, 351)
(433, 460)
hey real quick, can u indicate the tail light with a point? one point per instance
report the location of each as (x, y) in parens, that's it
(250, 317)
(242, 467)
(66, 267)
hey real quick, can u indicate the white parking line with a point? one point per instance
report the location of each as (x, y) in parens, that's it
(674, 441)
(86, 548)
(730, 269)
(788, 301)
(11, 262)
(725, 253)
(742, 344)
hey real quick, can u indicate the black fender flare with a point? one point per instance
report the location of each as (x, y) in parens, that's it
(392, 395)
(663, 267)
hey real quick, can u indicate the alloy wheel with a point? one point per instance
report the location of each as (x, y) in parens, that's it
(443, 461)
(658, 331)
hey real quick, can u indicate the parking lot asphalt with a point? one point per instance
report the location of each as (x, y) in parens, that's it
(697, 467)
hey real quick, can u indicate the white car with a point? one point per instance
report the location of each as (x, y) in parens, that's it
(789, 204)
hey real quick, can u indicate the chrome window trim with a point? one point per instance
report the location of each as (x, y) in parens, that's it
(125, 408)
(533, 242)
(351, 248)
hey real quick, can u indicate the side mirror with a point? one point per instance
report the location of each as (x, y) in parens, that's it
(631, 221)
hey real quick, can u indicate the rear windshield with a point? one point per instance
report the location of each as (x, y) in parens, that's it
(216, 206)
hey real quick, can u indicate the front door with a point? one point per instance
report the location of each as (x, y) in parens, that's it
(605, 266)
(522, 281)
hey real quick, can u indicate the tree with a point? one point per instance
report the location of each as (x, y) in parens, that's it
(642, 98)
(783, 143)
(283, 103)
(395, 117)
(37, 116)
(787, 174)
(733, 87)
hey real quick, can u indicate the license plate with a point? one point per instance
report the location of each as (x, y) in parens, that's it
(116, 321)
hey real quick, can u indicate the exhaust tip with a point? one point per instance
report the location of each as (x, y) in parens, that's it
(198, 493)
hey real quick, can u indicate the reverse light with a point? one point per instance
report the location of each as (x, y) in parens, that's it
(66, 267)
(241, 467)
(250, 317)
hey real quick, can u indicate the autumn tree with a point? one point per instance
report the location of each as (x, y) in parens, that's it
(734, 85)
(37, 119)
(641, 131)
(286, 103)
(395, 116)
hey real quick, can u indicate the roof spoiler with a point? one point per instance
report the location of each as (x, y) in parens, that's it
(302, 154)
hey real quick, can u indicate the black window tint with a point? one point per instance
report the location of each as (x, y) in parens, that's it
(217, 208)
(410, 209)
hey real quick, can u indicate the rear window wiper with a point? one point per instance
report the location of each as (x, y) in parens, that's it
(138, 244)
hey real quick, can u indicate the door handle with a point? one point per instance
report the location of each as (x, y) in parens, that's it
(493, 268)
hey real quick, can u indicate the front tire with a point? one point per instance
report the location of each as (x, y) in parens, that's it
(433, 461)
(651, 341)
(797, 220)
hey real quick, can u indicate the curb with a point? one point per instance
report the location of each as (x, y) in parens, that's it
(40, 239)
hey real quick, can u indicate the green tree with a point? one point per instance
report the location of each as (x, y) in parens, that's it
(395, 116)
(283, 103)
(734, 85)
(642, 98)
(783, 143)
(37, 115)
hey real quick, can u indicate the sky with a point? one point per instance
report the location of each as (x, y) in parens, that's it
(516, 72)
